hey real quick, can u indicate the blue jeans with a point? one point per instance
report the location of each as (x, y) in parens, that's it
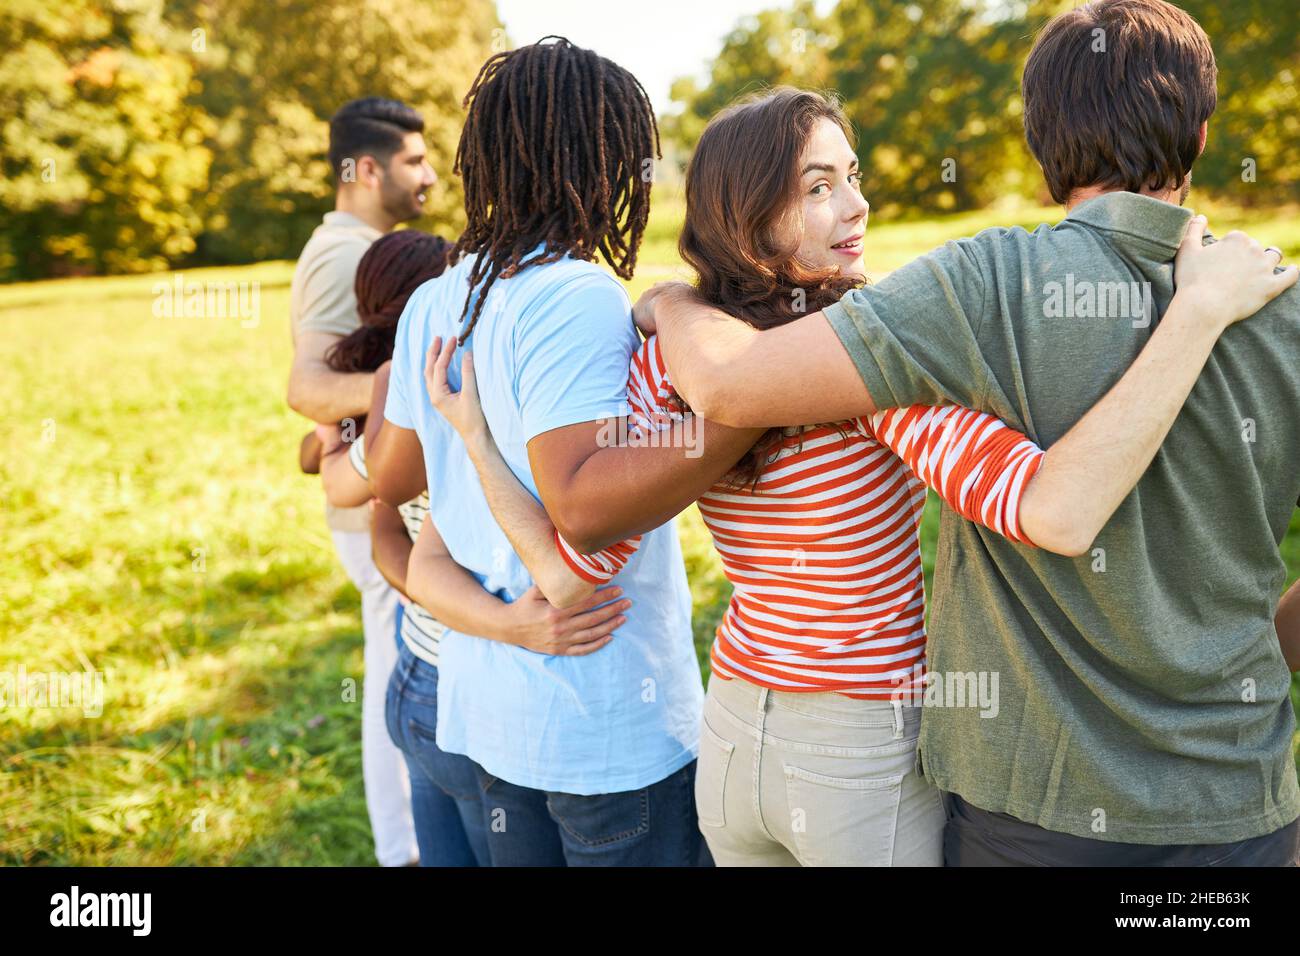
(654, 826)
(445, 800)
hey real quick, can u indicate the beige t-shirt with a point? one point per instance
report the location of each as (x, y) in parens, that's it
(322, 298)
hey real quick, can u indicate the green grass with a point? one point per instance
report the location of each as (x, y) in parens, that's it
(155, 527)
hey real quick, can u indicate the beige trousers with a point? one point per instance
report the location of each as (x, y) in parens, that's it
(797, 779)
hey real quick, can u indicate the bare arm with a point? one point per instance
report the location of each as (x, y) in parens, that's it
(522, 518)
(1287, 623)
(1091, 470)
(390, 544)
(732, 374)
(451, 594)
(394, 456)
(345, 487)
(319, 392)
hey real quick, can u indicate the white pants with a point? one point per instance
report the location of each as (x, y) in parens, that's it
(388, 789)
(808, 779)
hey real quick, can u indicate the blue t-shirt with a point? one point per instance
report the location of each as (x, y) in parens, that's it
(551, 348)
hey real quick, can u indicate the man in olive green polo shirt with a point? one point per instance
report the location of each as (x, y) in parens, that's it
(1143, 713)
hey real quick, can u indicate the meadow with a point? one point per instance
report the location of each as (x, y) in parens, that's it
(155, 528)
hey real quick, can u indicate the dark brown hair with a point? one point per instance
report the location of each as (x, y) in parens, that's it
(556, 151)
(743, 179)
(373, 126)
(1115, 93)
(392, 268)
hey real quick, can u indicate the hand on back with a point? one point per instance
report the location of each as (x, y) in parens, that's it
(1230, 279)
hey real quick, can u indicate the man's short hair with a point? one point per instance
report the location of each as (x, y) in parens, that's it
(1115, 93)
(372, 126)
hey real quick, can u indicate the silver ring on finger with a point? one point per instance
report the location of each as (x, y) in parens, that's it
(1277, 250)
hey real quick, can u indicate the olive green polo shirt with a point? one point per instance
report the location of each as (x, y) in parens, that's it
(1141, 695)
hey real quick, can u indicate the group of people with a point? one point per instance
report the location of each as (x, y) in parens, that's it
(1104, 678)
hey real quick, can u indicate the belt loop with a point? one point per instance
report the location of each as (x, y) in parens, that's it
(898, 718)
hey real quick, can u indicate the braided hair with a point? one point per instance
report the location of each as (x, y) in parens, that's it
(392, 268)
(554, 153)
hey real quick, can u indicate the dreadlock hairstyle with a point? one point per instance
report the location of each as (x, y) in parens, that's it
(392, 268)
(555, 151)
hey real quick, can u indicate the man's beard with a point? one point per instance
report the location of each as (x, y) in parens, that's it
(401, 205)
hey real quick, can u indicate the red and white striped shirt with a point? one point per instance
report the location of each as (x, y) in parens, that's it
(823, 553)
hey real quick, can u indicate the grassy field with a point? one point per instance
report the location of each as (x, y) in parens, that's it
(155, 528)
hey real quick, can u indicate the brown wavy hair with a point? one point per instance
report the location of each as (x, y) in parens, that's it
(392, 268)
(743, 180)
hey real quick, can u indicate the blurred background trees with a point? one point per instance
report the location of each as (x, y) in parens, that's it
(138, 135)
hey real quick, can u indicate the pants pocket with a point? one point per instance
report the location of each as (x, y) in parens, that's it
(601, 820)
(843, 821)
(711, 777)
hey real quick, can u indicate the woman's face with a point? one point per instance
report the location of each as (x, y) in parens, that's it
(830, 203)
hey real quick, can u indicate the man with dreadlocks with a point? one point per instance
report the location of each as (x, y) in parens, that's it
(586, 758)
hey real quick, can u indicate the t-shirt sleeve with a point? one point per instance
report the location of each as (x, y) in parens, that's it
(649, 395)
(329, 299)
(914, 336)
(653, 400)
(402, 377)
(975, 462)
(572, 353)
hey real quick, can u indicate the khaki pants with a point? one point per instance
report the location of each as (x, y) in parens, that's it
(790, 779)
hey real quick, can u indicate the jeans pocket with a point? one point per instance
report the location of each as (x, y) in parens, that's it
(843, 821)
(603, 819)
(711, 777)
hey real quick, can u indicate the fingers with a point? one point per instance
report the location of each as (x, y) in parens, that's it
(1276, 253)
(430, 361)
(598, 597)
(1285, 279)
(1193, 238)
(435, 367)
(468, 383)
(578, 650)
(600, 617)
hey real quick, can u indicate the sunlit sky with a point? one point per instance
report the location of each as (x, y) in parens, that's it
(658, 41)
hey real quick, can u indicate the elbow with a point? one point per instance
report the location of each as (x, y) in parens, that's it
(387, 490)
(584, 533)
(1057, 534)
(296, 398)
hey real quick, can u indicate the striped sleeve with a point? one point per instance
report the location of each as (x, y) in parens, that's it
(600, 567)
(357, 455)
(650, 394)
(974, 461)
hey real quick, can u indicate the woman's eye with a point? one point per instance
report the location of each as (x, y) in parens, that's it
(820, 186)
(855, 178)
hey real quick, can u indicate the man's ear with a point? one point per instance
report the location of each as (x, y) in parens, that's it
(369, 172)
(1204, 130)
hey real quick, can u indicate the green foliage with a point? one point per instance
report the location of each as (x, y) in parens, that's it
(100, 148)
(138, 135)
(933, 89)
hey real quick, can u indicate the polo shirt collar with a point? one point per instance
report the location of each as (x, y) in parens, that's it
(1132, 214)
(345, 220)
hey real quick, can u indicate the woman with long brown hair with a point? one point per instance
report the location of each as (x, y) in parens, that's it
(812, 713)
